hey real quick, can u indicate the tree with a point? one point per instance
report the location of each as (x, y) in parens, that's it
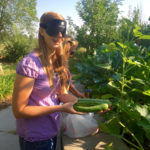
(145, 29)
(70, 27)
(21, 13)
(127, 25)
(100, 20)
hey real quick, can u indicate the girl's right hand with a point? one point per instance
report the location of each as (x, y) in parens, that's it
(68, 108)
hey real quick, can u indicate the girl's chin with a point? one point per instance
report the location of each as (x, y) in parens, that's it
(56, 46)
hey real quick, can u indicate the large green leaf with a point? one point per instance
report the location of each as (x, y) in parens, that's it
(136, 63)
(147, 92)
(107, 96)
(114, 126)
(138, 34)
(146, 37)
(136, 31)
(138, 80)
(103, 127)
(122, 45)
(144, 111)
(136, 90)
(146, 126)
(130, 112)
(113, 85)
(104, 66)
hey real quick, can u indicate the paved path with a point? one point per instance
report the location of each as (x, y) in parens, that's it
(93, 142)
(8, 138)
(97, 142)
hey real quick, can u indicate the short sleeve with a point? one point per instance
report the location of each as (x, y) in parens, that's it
(27, 67)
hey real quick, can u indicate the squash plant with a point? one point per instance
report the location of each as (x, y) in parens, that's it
(121, 72)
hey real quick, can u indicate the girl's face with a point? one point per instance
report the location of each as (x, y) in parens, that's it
(53, 42)
(53, 32)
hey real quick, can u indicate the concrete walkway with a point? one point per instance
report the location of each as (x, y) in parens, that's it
(8, 137)
(99, 141)
(9, 140)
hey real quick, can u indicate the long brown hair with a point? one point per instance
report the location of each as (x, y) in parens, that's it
(68, 44)
(52, 63)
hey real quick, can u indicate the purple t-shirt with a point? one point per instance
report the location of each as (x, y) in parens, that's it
(45, 127)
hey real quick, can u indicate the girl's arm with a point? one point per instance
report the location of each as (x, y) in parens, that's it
(74, 91)
(22, 89)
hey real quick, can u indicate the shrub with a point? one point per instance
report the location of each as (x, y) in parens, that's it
(17, 47)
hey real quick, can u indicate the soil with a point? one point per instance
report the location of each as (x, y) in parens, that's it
(4, 103)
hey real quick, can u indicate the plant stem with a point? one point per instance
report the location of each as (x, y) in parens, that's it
(128, 69)
(132, 134)
(131, 143)
(123, 80)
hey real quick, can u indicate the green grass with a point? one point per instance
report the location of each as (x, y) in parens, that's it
(7, 80)
(9, 68)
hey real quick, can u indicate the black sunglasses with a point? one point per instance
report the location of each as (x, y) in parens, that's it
(55, 26)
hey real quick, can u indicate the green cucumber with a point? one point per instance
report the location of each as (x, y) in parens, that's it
(91, 105)
(94, 108)
(91, 100)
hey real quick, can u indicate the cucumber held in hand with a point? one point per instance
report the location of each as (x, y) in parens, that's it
(91, 105)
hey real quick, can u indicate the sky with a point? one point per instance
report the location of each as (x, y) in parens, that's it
(143, 5)
(63, 7)
(68, 8)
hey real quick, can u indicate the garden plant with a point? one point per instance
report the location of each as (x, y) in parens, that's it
(120, 72)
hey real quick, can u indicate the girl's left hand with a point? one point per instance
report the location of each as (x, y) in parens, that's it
(81, 95)
(107, 110)
(67, 98)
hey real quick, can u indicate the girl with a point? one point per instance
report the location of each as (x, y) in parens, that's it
(39, 75)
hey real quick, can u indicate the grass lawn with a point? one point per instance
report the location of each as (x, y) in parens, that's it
(7, 75)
